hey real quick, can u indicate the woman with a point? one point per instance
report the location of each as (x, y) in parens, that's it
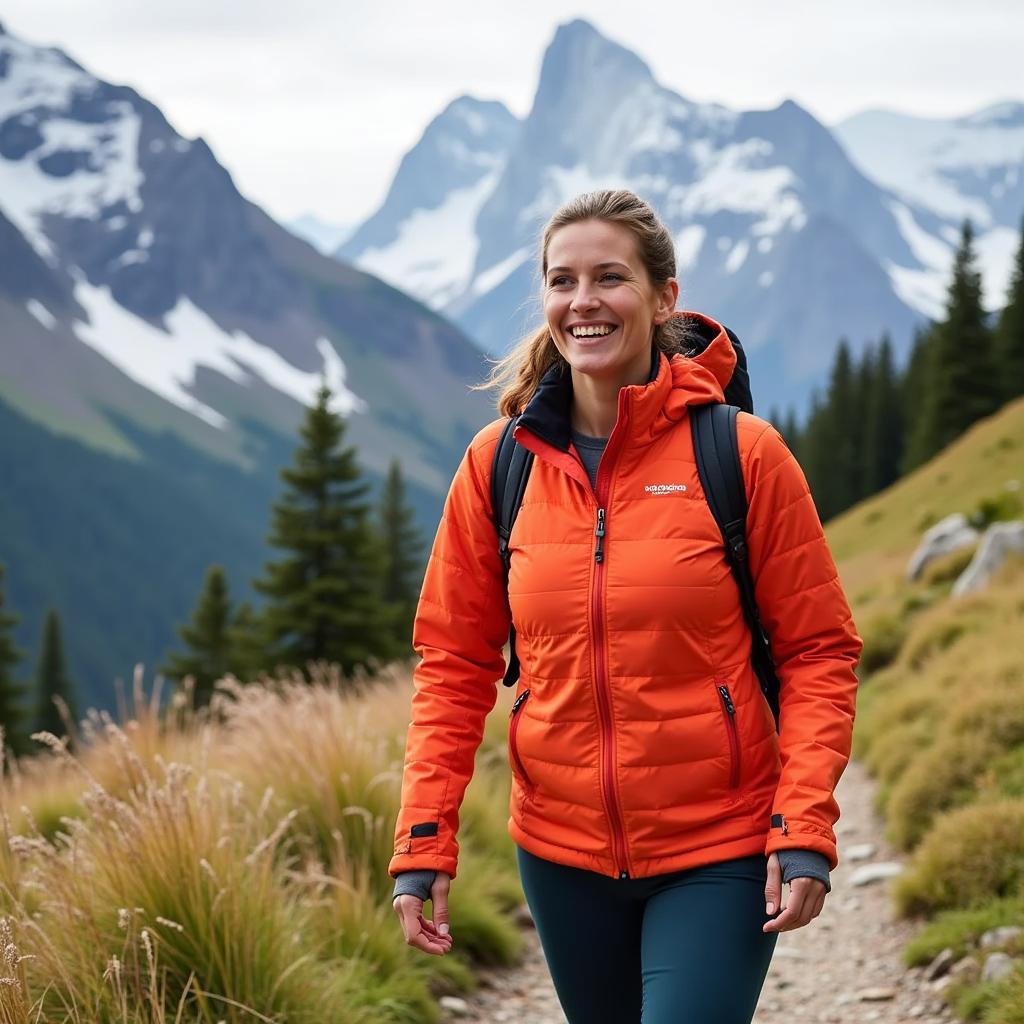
(656, 811)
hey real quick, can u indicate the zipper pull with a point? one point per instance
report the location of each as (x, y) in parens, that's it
(519, 701)
(729, 706)
(599, 551)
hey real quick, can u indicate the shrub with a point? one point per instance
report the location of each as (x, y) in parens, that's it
(947, 570)
(971, 855)
(960, 930)
(1007, 1005)
(999, 508)
(1005, 775)
(883, 639)
(981, 727)
(940, 778)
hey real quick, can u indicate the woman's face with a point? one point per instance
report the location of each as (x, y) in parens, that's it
(595, 279)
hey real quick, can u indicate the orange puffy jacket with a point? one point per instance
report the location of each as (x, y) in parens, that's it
(640, 742)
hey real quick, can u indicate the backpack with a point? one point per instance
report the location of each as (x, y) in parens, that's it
(718, 466)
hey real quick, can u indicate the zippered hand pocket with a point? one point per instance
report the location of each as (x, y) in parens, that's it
(513, 728)
(729, 712)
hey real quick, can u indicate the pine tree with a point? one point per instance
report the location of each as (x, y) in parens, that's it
(247, 643)
(52, 681)
(790, 431)
(964, 382)
(863, 387)
(916, 384)
(403, 548)
(815, 455)
(208, 656)
(1009, 334)
(883, 423)
(325, 597)
(12, 693)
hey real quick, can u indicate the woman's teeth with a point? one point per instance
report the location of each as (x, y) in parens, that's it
(590, 332)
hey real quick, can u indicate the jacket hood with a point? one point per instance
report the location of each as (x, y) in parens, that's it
(675, 383)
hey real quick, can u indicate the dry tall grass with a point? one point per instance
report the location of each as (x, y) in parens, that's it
(230, 864)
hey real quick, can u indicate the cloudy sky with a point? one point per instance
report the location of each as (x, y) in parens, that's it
(312, 104)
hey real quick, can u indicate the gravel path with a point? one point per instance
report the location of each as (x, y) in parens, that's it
(843, 967)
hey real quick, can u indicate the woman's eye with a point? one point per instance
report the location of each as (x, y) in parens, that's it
(618, 277)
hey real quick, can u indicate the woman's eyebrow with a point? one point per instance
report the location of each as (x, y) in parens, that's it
(597, 266)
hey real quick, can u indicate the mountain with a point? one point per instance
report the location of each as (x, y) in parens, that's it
(777, 231)
(322, 235)
(158, 321)
(971, 166)
(422, 238)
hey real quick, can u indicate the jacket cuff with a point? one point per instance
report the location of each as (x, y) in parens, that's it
(423, 842)
(786, 834)
(804, 864)
(414, 883)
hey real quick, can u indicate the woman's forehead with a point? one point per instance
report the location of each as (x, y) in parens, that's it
(591, 242)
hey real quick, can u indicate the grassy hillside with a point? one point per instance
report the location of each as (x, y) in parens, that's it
(940, 715)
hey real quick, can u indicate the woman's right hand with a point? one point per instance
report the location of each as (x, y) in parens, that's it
(430, 936)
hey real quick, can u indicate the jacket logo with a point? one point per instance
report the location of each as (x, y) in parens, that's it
(664, 488)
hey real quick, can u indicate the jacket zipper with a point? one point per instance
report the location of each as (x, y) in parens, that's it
(734, 742)
(604, 700)
(512, 729)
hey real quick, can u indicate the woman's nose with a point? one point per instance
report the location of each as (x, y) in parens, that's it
(584, 298)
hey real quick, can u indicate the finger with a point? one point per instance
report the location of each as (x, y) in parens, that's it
(790, 917)
(419, 932)
(439, 899)
(773, 885)
(819, 906)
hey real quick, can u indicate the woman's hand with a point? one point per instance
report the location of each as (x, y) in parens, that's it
(806, 898)
(430, 936)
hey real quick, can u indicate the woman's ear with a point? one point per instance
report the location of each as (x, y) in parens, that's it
(668, 295)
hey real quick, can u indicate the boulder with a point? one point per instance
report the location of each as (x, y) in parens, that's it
(999, 542)
(947, 535)
(868, 873)
(1006, 935)
(997, 967)
(940, 966)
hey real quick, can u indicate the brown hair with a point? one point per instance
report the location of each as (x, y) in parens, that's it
(519, 373)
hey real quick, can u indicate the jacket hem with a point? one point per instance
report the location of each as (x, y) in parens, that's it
(745, 846)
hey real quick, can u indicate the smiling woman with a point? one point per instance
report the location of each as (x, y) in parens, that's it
(656, 810)
(601, 314)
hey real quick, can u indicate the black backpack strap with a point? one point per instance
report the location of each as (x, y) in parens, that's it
(509, 473)
(716, 447)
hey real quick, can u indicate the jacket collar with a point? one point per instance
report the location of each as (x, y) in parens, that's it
(647, 409)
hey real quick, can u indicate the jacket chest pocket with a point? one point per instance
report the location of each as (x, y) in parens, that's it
(515, 717)
(732, 734)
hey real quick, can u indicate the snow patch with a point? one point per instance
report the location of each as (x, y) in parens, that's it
(41, 313)
(729, 179)
(494, 275)
(44, 83)
(165, 362)
(435, 251)
(923, 290)
(927, 248)
(918, 158)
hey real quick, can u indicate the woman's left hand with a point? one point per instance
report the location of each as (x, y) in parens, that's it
(806, 898)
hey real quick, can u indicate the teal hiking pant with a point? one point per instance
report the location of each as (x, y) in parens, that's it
(679, 948)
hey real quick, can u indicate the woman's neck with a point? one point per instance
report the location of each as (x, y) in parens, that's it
(595, 401)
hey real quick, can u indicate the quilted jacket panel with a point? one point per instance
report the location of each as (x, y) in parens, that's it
(644, 744)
